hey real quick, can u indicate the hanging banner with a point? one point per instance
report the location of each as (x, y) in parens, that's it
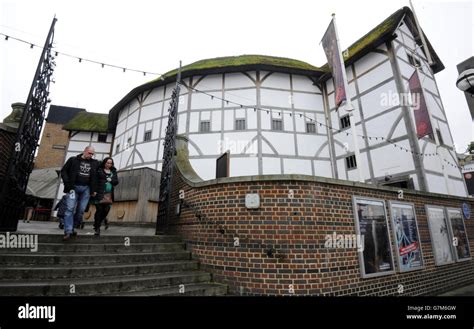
(422, 117)
(334, 57)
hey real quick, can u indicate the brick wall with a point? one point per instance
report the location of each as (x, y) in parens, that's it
(49, 157)
(295, 229)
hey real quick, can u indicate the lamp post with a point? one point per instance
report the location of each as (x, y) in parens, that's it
(465, 81)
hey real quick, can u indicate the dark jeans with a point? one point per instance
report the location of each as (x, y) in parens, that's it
(101, 212)
(76, 203)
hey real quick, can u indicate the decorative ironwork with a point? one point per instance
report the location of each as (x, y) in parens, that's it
(169, 153)
(20, 164)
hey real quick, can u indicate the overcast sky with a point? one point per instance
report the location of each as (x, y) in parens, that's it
(154, 35)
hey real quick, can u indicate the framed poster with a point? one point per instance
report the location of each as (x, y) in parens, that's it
(371, 224)
(458, 230)
(440, 237)
(407, 238)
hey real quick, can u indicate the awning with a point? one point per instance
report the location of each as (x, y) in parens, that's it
(43, 183)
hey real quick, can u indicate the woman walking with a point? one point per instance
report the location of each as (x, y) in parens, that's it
(107, 179)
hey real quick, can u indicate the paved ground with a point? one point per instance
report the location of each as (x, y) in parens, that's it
(38, 227)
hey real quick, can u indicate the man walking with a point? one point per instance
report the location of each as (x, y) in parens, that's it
(79, 175)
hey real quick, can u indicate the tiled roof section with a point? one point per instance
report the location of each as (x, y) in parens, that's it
(62, 114)
(86, 121)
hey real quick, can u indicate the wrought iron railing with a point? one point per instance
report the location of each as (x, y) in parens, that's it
(20, 165)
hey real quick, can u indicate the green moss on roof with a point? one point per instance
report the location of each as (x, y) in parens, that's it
(86, 121)
(375, 34)
(236, 61)
(386, 26)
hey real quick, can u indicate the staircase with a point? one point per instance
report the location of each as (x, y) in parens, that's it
(88, 266)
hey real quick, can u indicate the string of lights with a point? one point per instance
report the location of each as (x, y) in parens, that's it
(301, 115)
(263, 109)
(81, 59)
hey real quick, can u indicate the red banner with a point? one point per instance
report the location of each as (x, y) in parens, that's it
(422, 117)
(334, 58)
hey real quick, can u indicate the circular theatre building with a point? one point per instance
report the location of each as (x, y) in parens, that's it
(277, 116)
(263, 110)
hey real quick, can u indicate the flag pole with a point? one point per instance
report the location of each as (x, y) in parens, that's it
(422, 37)
(349, 108)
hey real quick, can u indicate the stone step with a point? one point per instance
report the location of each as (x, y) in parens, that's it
(61, 272)
(201, 289)
(23, 259)
(102, 285)
(72, 246)
(89, 237)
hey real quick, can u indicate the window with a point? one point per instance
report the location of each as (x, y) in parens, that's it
(440, 137)
(351, 162)
(117, 148)
(310, 128)
(205, 126)
(413, 61)
(407, 183)
(129, 141)
(345, 121)
(147, 136)
(102, 138)
(277, 124)
(240, 124)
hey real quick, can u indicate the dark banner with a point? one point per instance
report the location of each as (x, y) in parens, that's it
(334, 58)
(469, 178)
(422, 118)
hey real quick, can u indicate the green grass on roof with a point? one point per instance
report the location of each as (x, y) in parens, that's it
(86, 121)
(235, 61)
(373, 35)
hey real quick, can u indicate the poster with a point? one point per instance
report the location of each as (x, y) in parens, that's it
(440, 236)
(460, 242)
(407, 239)
(371, 223)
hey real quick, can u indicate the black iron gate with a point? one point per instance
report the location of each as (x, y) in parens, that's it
(169, 152)
(20, 164)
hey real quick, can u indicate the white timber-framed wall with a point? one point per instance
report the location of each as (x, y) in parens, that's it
(256, 150)
(378, 87)
(440, 176)
(378, 83)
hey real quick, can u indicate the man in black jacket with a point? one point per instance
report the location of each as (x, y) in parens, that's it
(79, 175)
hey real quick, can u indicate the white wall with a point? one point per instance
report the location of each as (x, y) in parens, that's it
(372, 88)
(405, 44)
